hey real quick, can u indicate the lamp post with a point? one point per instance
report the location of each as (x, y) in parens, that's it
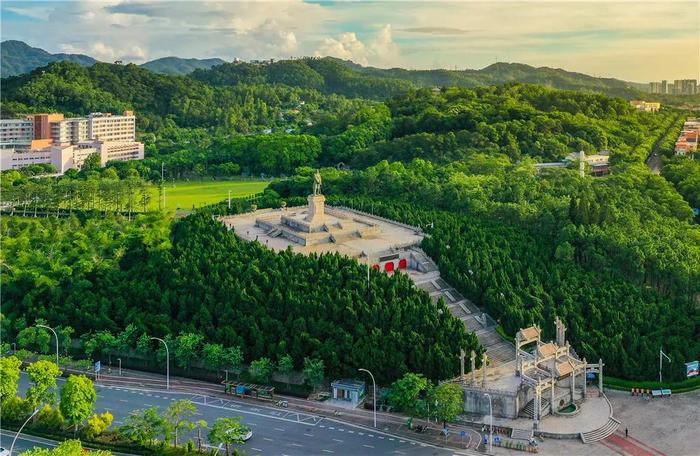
(490, 423)
(14, 348)
(55, 335)
(374, 392)
(120, 366)
(12, 447)
(167, 362)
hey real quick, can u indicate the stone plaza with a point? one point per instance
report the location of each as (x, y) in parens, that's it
(316, 228)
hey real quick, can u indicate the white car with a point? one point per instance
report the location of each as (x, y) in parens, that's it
(246, 436)
(4, 452)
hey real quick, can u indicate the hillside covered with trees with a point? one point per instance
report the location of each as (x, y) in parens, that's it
(104, 274)
(616, 257)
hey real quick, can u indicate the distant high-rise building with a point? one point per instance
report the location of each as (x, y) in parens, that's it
(664, 86)
(655, 87)
(671, 89)
(685, 86)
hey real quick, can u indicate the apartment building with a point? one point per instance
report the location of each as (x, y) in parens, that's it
(685, 86)
(687, 142)
(16, 133)
(655, 87)
(67, 142)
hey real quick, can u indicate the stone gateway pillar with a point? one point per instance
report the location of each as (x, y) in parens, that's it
(472, 358)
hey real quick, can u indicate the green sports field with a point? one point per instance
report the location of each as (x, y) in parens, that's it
(185, 194)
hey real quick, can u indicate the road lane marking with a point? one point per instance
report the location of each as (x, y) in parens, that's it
(322, 425)
(391, 439)
(380, 437)
(279, 429)
(367, 446)
(268, 439)
(331, 427)
(328, 451)
(148, 405)
(296, 445)
(308, 435)
(256, 449)
(341, 430)
(338, 440)
(123, 400)
(350, 432)
(361, 433)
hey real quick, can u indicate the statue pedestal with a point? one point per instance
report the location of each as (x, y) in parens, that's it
(316, 214)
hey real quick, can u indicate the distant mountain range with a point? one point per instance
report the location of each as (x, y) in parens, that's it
(18, 57)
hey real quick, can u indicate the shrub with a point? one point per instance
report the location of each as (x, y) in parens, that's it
(16, 409)
(50, 418)
(98, 424)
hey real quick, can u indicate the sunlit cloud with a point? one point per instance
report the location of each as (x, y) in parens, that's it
(638, 41)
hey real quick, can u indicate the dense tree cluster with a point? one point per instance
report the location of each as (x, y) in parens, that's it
(617, 258)
(232, 292)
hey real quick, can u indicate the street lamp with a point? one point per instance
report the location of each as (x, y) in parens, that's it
(12, 447)
(167, 362)
(120, 366)
(55, 335)
(490, 424)
(374, 392)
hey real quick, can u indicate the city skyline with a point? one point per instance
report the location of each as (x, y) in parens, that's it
(640, 41)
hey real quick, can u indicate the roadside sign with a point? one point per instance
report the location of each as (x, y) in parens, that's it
(98, 366)
(692, 369)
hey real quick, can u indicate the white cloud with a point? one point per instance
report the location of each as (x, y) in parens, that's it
(381, 50)
(631, 39)
(105, 53)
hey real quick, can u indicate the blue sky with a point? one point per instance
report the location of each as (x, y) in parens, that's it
(633, 40)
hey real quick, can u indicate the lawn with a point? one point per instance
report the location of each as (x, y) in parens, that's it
(185, 194)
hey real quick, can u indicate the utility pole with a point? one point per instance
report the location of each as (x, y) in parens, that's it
(167, 362)
(662, 355)
(374, 391)
(229, 200)
(56, 336)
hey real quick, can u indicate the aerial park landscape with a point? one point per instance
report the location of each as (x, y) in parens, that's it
(333, 236)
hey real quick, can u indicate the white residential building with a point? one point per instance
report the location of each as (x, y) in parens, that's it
(66, 143)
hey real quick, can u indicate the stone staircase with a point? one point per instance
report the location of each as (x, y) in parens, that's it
(601, 433)
(529, 410)
(498, 350)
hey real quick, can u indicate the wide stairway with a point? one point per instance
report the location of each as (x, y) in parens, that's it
(601, 433)
(529, 410)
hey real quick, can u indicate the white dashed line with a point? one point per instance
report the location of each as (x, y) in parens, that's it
(350, 432)
(256, 449)
(391, 439)
(328, 451)
(296, 445)
(361, 433)
(402, 441)
(331, 427)
(322, 425)
(308, 435)
(123, 400)
(379, 436)
(279, 429)
(268, 439)
(338, 440)
(367, 446)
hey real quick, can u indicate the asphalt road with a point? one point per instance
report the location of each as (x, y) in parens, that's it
(24, 442)
(276, 431)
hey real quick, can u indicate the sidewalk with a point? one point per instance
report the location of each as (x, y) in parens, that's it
(386, 422)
